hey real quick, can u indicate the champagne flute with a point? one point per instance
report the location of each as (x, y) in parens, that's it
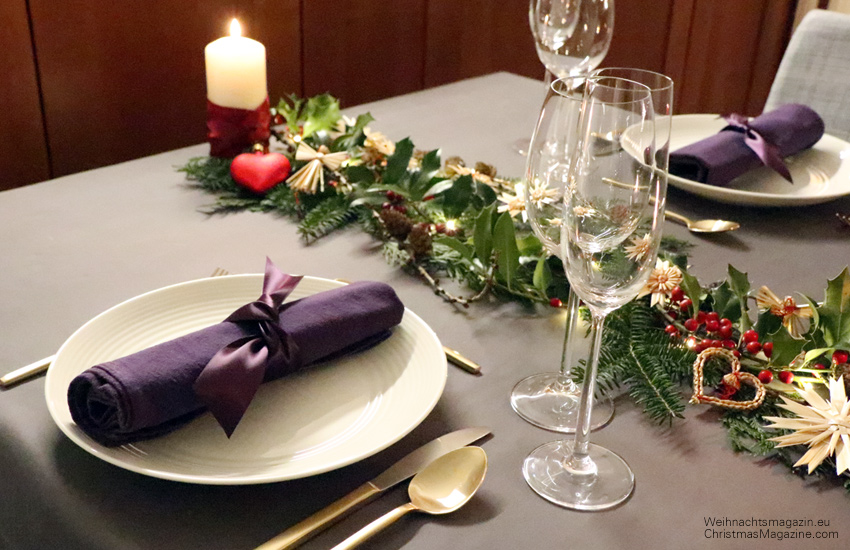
(550, 400)
(572, 38)
(610, 232)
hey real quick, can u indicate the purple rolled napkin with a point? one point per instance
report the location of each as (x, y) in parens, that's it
(744, 145)
(156, 390)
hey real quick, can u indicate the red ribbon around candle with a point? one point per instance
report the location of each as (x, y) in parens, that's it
(232, 131)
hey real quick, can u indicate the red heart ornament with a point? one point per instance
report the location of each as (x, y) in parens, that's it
(259, 171)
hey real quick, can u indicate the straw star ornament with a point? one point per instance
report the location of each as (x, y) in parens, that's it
(311, 177)
(822, 425)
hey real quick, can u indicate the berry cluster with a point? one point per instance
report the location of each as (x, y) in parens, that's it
(395, 201)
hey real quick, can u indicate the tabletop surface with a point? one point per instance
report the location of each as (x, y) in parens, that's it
(75, 246)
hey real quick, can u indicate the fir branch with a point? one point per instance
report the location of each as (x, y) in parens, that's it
(212, 174)
(326, 217)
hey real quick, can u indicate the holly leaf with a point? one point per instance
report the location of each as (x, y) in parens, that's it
(785, 347)
(693, 290)
(507, 253)
(456, 198)
(483, 235)
(421, 185)
(834, 314)
(739, 282)
(320, 113)
(398, 161)
(725, 303)
(354, 136)
(542, 275)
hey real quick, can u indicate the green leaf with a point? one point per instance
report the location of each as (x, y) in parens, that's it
(767, 322)
(456, 198)
(290, 109)
(507, 253)
(542, 275)
(354, 136)
(358, 174)
(422, 185)
(438, 188)
(483, 236)
(320, 113)
(726, 303)
(739, 282)
(398, 162)
(463, 249)
(813, 354)
(785, 347)
(690, 285)
(835, 312)
(529, 245)
(483, 196)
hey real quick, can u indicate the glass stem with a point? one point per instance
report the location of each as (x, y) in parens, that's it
(565, 382)
(579, 462)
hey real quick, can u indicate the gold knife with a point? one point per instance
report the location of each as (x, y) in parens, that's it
(403, 469)
(25, 373)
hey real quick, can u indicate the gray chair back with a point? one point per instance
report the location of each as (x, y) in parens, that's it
(815, 70)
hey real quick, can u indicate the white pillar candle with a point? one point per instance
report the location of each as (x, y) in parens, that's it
(236, 71)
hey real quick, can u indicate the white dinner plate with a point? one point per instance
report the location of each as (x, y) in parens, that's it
(325, 417)
(820, 174)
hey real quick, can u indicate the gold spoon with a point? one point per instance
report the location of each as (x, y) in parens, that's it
(703, 226)
(442, 487)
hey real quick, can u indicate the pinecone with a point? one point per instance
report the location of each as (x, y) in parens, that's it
(485, 169)
(420, 240)
(396, 223)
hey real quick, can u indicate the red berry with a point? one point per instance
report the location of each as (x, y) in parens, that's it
(685, 304)
(767, 348)
(751, 336)
(716, 344)
(753, 348)
(554, 302)
(786, 377)
(725, 322)
(672, 331)
(691, 324)
(399, 208)
(677, 294)
(673, 315)
(725, 331)
(729, 344)
(700, 317)
(701, 346)
(839, 357)
(819, 366)
(736, 353)
(766, 377)
(712, 325)
(712, 316)
(386, 206)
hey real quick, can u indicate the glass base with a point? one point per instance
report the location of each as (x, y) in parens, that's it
(541, 400)
(546, 473)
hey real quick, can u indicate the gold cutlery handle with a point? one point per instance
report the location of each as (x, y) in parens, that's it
(322, 519)
(375, 527)
(676, 217)
(27, 372)
(461, 361)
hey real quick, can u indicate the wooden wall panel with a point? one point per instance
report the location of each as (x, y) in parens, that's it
(123, 79)
(467, 38)
(363, 50)
(731, 54)
(641, 32)
(23, 149)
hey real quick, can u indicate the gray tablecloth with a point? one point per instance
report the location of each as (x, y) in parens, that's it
(74, 246)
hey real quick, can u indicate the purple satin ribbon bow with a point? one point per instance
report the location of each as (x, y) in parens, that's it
(766, 151)
(228, 383)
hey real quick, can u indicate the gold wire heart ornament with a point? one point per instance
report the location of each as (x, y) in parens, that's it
(734, 379)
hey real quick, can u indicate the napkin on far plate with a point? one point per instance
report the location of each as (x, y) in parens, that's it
(152, 392)
(719, 159)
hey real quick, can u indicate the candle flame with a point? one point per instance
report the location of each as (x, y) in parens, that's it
(235, 28)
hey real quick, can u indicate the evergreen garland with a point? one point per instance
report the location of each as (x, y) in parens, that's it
(447, 221)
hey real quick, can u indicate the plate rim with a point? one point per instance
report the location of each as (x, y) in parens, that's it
(752, 198)
(101, 451)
